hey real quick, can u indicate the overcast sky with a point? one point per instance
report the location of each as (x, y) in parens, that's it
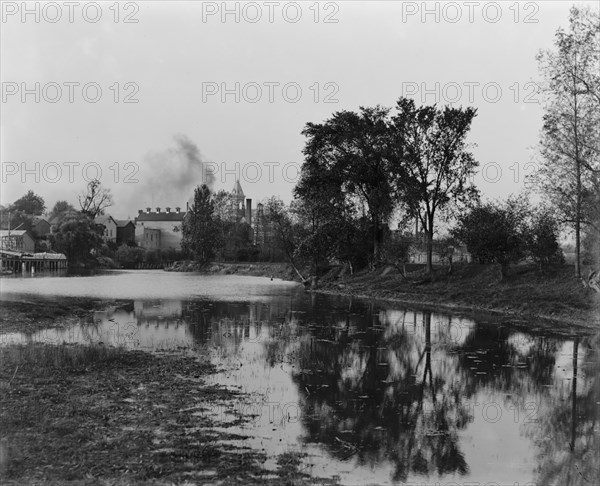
(296, 63)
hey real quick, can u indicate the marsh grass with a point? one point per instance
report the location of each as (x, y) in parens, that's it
(47, 358)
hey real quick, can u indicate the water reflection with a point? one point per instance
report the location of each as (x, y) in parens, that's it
(384, 394)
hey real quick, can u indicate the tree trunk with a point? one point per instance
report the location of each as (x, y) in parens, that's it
(429, 248)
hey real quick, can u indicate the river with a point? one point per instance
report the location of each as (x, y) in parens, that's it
(371, 392)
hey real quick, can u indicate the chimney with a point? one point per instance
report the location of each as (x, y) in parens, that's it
(249, 211)
(140, 211)
(148, 210)
(168, 210)
(157, 210)
(177, 209)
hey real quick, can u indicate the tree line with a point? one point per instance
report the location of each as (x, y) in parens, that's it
(362, 169)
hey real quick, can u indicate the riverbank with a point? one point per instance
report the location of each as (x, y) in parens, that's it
(526, 292)
(103, 415)
(282, 271)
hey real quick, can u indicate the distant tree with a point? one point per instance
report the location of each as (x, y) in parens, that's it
(95, 199)
(541, 237)
(129, 256)
(59, 209)
(493, 232)
(77, 236)
(286, 234)
(570, 140)
(201, 229)
(30, 203)
(436, 164)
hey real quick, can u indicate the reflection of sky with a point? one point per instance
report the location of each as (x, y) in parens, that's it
(258, 344)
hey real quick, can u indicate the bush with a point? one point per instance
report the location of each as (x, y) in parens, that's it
(541, 238)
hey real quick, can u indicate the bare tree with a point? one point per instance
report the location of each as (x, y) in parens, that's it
(95, 199)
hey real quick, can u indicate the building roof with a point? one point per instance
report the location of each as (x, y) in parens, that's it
(13, 232)
(162, 216)
(123, 222)
(237, 189)
(37, 220)
(104, 219)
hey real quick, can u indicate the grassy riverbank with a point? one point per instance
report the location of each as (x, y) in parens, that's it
(101, 415)
(527, 291)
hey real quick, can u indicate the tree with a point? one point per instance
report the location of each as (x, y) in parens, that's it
(437, 167)
(286, 234)
(59, 209)
(200, 228)
(77, 236)
(95, 200)
(23, 210)
(352, 150)
(541, 237)
(494, 233)
(30, 203)
(570, 142)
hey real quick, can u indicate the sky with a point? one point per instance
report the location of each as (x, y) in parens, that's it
(155, 98)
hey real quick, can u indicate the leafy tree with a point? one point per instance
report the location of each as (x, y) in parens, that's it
(95, 199)
(494, 233)
(128, 256)
(570, 142)
(20, 213)
(200, 228)
(30, 203)
(351, 150)
(437, 166)
(541, 238)
(286, 233)
(59, 209)
(77, 236)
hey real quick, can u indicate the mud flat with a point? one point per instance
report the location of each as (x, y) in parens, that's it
(92, 414)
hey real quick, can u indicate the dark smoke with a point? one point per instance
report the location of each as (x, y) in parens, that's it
(169, 177)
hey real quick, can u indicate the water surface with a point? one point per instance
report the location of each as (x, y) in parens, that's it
(371, 392)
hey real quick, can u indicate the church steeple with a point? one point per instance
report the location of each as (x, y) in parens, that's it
(237, 191)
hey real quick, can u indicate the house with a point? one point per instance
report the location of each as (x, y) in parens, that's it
(40, 227)
(125, 231)
(17, 240)
(110, 227)
(159, 229)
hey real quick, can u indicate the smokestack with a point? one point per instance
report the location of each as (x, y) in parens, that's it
(140, 211)
(177, 209)
(168, 210)
(249, 211)
(148, 210)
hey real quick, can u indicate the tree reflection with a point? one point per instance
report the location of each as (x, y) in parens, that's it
(379, 398)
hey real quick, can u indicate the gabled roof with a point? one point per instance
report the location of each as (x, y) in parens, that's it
(37, 220)
(123, 222)
(104, 219)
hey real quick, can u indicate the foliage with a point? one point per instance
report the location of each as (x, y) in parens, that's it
(201, 229)
(128, 256)
(22, 211)
(59, 209)
(30, 203)
(77, 236)
(435, 161)
(347, 165)
(541, 237)
(570, 141)
(95, 200)
(494, 232)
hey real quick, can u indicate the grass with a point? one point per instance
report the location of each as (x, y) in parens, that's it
(99, 415)
(552, 293)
